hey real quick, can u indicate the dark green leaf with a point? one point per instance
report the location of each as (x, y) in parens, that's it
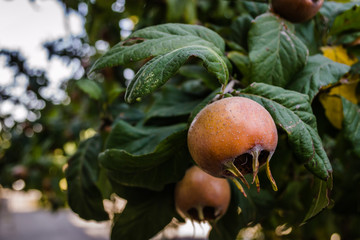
(129, 113)
(82, 173)
(158, 70)
(242, 63)
(293, 113)
(240, 213)
(348, 20)
(308, 34)
(167, 164)
(239, 30)
(255, 8)
(318, 72)
(276, 54)
(330, 10)
(351, 124)
(91, 88)
(172, 102)
(136, 140)
(144, 219)
(199, 72)
(321, 200)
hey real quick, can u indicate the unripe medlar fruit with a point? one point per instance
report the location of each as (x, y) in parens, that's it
(202, 197)
(296, 10)
(233, 137)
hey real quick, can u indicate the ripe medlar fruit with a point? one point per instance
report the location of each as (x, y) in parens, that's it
(233, 137)
(201, 197)
(296, 10)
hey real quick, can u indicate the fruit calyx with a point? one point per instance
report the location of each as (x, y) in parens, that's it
(246, 163)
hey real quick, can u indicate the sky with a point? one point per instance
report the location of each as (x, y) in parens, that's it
(25, 26)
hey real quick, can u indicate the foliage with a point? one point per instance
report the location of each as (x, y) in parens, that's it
(306, 75)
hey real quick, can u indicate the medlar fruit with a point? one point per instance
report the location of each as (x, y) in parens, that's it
(233, 137)
(296, 10)
(201, 197)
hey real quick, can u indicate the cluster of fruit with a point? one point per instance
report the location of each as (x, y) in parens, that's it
(231, 138)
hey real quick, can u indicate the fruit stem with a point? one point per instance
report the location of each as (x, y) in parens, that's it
(233, 169)
(238, 185)
(268, 172)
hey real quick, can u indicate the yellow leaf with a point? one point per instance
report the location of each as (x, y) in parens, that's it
(338, 54)
(332, 102)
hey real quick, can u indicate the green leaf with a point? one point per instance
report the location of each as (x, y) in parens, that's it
(199, 72)
(161, 68)
(183, 11)
(240, 213)
(255, 8)
(240, 28)
(330, 10)
(144, 219)
(351, 124)
(242, 63)
(276, 54)
(157, 40)
(292, 112)
(129, 113)
(321, 200)
(91, 88)
(318, 72)
(166, 164)
(172, 102)
(84, 197)
(308, 33)
(139, 140)
(348, 20)
(177, 29)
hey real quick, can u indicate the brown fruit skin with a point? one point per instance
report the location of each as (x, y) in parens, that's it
(296, 10)
(228, 128)
(198, 189)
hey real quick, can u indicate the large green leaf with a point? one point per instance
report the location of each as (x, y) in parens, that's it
(321, 199)
(166, 164)
(156, 40)
(158, 70)
(318, 72)
(143, 219)
(240, 213)
(139, 140)
(293, 113)
(84, 197)
(351, 124)
(176, 29)
(276, 54)
(348, 20)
